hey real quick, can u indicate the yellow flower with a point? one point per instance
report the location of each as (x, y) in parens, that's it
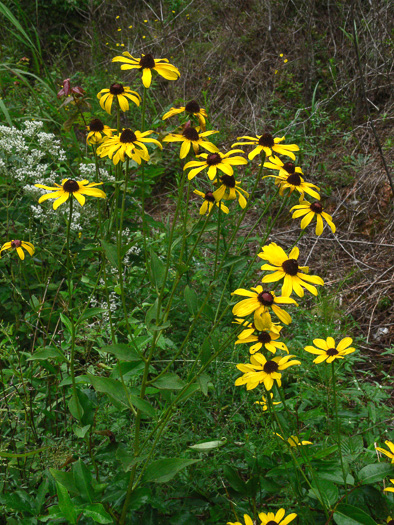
(96, 131)
(130, 143)
(286, 267)
(250, 327)
(265, 403)
(229, 190)
(389, 489)
(192, 108)
(209, 201)
(276, 519)
(390, 520)
(289, 177)
(148, 64)
(247, 520)
(71, 187)
(192, 137)
(267, 337)
(122, 94)
(258, 303)
(293, 441)
(268, 144)
(309, 211)
(262, 371)
(215, 161)
(388, 453)
(18, 245)
(326, 350)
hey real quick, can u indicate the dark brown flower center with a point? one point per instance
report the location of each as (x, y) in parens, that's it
(270, 367)
(265, 298)
(264, 337)
(228, 181)
(294, 179)
(209, 197)
(16, 244)
(391, 522)
(116, 89)
(213, 159)
(192, 107)
(96, 125)
(317, 208)
(127, 136)
(272, 522)
(191, 133)
(266, 140)
(147, 61)
(332, 351)
(289, 167)
(70, 186)
(290, 266)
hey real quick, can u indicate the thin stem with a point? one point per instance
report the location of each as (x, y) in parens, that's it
(217, 243)
(334, 389)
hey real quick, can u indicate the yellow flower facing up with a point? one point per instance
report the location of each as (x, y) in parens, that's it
(258, 303)
(247, 519)
(121, 93)
(289, 178)
(261, 370)
(286, 268)
(192, 108)
(71, 187)
(18, 245)
(267, 338)
(276, 519)
(97, 132)
(209, 202)
(389, 489)
(308, 212)
(213, 162)
(293, 441)
(327, 350)
(265, 404)
(229, 189)
(192, 137)
(147, 64)
(267, 143)
(130, 143)
(388, 453)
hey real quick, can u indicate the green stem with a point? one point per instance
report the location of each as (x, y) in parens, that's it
(119, 248)
(334, 388)
(217, 243)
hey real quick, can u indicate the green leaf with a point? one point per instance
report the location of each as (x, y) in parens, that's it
(66, 321)
(18, 500)
(97, 512)
(64, 478)
(41, 493)
(204, 380)
(139, 497)
(163, 470)
(91, 312)
(158, 270)
(375, 472)
(328, 492)
(208, 445)
(65, 504)
(109, 386)
(83, 481)
(191, 299)
(80, 432)
(123, 352)
(232, 476)
(75, 407)
(169, 382)
(110, 251)
(24, 455)
(47, 353)
(349, 515)
(143, 405)
(6, 113)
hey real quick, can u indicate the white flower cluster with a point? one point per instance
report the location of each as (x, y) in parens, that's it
(114, 304)
(88, 171)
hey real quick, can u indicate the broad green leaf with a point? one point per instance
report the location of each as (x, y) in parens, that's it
(143, 405)
(141, 496)
(111, 252)
(325, 452)
(65, 504)
(122, 351)
(97, 512)
(203, 381)
(91, 312)
(158, 270)
(326, 490)
(83, 480)
(169, 382)
(349, 515)
(47, 353)
(375, 472)
(64, 478)
(109, 386)
(75, 407)
(18, 500)
(208, 445)
(66, 321)
(41, 493)
(232, 476)
(80, 432)
(191, 299)
(163, 470)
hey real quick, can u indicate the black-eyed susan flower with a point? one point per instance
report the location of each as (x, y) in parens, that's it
(258, 303)
(388, 453)
(130, 143)
(229, 189)
(265, 404)
(18, 245)
(267, 338)
(121, 93)
(192, 108)
(192, 137)
(286, 268)
(294, 441)
(213, 162)
(249, 327)
(390, 520)
(147, 64)
(276, 519)
(70, 187)
(209, 202)
(247, 519)
(261, 370)
(327, 350)
(389, 489)
(267, 143)
(97, 131)
(289, 178)
(309, 211)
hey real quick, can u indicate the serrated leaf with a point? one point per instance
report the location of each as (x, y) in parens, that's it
(208, 445)
(349, 515)
(375, 472)
(163, 470)
(169, 381)
(123, 352)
